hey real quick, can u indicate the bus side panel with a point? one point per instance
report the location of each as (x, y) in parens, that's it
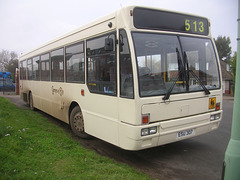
(55, 100)
(127, 111)
(101, 127)
(45, 100)
(24, 90)
(63, 94)
(59, 100)
(100, 113)
(35, 90)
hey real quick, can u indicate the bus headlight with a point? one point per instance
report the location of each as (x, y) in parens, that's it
(145, 132)
(148, 131)
(215, 117)
(153, 130)
(212, 118)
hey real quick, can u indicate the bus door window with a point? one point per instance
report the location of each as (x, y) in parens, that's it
(126, 74)
(101, 62)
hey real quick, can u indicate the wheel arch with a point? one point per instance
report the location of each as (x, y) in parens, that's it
(28, 96)
(30, 100)
(72, 105)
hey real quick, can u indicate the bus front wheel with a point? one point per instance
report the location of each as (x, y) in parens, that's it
(77, 123)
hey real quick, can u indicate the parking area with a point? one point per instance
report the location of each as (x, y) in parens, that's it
(197, 158)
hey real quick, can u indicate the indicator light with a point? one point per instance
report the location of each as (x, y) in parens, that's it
(82, 92)
(145, 119)
(217, 106)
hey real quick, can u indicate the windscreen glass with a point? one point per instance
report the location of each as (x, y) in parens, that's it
(202, 62)
(182, 64)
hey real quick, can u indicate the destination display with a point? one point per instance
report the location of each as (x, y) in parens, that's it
(169, 21)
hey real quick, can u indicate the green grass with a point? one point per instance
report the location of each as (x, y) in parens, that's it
(31, 147)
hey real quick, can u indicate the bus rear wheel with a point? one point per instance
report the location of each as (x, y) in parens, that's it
(31, 102)
(77, 123)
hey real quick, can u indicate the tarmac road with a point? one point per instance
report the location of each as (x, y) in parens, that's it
(197, 158)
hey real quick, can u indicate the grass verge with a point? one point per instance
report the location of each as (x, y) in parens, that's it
(31, 147)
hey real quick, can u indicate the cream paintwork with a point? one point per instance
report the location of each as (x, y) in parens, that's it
(188, 107)
(112, 118)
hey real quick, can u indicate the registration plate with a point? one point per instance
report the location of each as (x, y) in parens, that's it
(185, 133)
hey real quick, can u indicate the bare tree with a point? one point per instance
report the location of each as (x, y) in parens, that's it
(5, 57)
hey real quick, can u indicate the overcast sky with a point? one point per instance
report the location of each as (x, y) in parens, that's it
(27, 24)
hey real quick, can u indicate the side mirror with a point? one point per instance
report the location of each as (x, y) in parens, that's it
(108, 44)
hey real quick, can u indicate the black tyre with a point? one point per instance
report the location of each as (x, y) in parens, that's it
(77, 123)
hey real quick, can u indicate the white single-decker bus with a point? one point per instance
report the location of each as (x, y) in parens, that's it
(137, 78)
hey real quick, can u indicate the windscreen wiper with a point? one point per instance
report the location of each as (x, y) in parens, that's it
(195, 76)
(181, 76)
(200, 81)
(180, 67)
(167, 95)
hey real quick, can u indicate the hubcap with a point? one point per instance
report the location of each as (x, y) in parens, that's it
(78, 122)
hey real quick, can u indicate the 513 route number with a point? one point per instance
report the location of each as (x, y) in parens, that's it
(194, 26)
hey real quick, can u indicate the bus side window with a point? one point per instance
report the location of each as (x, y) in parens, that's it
(29, 69)
(23, 69)
(36, 68)
(75, 66)
(45, 70)
(57, 68)
(126, 75)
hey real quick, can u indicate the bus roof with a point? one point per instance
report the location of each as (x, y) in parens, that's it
(91, 29)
